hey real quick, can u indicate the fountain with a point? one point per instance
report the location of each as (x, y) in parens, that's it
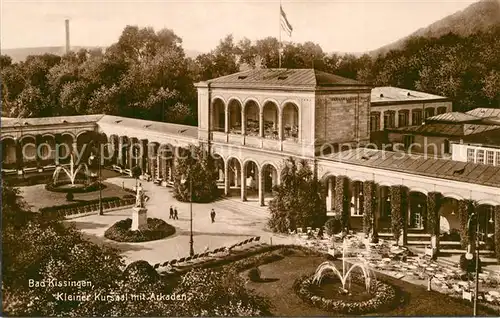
(358, 292)
(71, 172)
(329, 266)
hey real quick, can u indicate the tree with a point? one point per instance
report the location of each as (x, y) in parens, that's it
(195, 165)
(299, 200)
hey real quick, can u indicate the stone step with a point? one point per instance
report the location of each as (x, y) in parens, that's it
(461, 251)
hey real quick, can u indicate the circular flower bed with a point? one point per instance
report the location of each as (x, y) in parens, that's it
(384, 296)
(76, 188)
(155, 229)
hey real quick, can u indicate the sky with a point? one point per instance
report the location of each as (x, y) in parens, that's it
(336, 25)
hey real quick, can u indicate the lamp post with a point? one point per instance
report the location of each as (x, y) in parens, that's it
(191, 240)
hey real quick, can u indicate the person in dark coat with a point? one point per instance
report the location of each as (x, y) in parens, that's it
(212, 215)
(171, 216)
(176, 216)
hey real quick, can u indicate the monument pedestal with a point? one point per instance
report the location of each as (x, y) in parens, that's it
(139, 218)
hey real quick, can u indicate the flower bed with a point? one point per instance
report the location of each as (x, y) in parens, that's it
(384, 297)
(155, 229)
(84, 206)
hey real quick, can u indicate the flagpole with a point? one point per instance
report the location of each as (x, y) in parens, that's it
(279, 40)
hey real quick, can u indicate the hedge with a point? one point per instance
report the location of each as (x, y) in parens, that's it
(497, 232)
(369, 207)
(89, 188)
(464, 207)
(155, 229)
(85, 206)
(396, 213)
(341, 200)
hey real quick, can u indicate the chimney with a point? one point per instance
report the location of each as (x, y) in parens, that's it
(67, 35)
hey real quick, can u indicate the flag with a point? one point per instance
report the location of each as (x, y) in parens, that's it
(285, 25)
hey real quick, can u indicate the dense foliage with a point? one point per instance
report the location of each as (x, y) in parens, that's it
(497, 232)
(299, 199)
(195, 168)
(155, 229)
(146, 74)
(50, 251)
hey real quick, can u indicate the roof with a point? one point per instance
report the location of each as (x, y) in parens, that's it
(281, 78)
(80, 119)
(391, 95)
(156, 126)
(485, 112)
(420, 165)
(455, 117)
(446, 129)
(487, 138)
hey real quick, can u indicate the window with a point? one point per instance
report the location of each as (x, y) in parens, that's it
(429, 112)
(441, 110)
(389, 118)
(447, 146)
(408, 140)
(471, 154)
(480, 156)
(497, 159)
(416, 117)
(490, 155)
(402, 118)
(375, 121)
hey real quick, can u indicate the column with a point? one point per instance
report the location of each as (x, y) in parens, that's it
(260, 183)
(329, 199)
(131, 155)
(57, 153)
(243, 185)
(396, 119)
(382, 117)
(19, 156)
(226, 121)
(261, 123)
(226, 178)
(120, 159)
(144, 155)
(280, 125)
(243, 121)
(410, 117)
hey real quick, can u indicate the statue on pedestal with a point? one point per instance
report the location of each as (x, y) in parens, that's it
(139, 197)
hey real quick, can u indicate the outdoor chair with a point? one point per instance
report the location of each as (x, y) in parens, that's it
(251, 239)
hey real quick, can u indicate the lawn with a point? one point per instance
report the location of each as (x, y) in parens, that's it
(37, 197)
(281, 275)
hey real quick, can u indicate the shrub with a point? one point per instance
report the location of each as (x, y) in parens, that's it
(155, 229)
(70, 196)
(333, 226)
(129, 196)
(55, 209)
(254, 274)
(497, 232)
(469, 265)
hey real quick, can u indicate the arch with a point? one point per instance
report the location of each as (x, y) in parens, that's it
(48, 135)
(21, 139)
(218, 113)
(290, 120)
(7, 137)
(452, 196)
(358, 178)
(252, 99)
(270, 119)
(47, 152)
(234, 115)
(488, 202)
(418, 209)
(219, 97)
(270, 177)
(251, 177)
(418, 190)
(9, 155)
(233, 169)
(219, 165)
(83, 132)
(252, 117)
(67, 133)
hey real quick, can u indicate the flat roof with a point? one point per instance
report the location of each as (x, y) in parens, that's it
(40, 121)
(149, 125)
(281, 78)
(455, 117)
(446, 129)
(394, 95)
(420, 165)
(485, 112)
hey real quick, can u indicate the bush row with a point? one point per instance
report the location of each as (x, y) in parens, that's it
(85, 206)
(155, 229)
(89, 188)
(384, 297)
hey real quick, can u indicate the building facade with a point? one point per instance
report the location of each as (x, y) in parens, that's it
(254, 120)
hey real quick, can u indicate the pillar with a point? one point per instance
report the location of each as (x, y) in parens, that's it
(19, 155)
(329, 199)
(261, 123)
(396, 119)
(410, 117)
(280, 125)
(120, 160)
(243, 121)
(382, 117)
(144, 155)
(57, 153)
(260, 183)
(226, 121)
(226, 178)
(243, 185)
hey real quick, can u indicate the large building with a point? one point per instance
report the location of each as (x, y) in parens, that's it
(252, 121)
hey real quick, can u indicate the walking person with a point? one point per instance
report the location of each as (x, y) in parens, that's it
(212, 215)
(171, 216)
(176, 216)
